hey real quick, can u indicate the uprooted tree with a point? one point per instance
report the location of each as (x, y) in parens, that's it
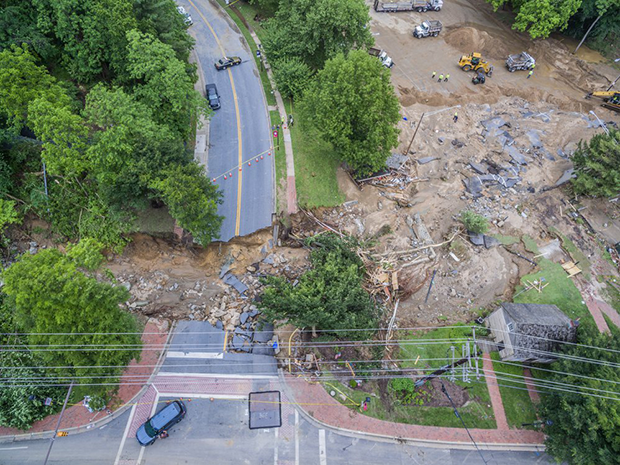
(327, 297)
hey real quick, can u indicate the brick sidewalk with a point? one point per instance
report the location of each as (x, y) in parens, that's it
(320, 405)
(77, 415)
(496, 397)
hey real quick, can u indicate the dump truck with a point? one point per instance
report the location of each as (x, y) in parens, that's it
(414, 5)
(520, 62)
(427, 28)
(475, 62)
(611, 99)
(382, 56)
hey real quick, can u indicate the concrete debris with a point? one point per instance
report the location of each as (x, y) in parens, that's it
(233, 281)
(478, 167)
(534, 137)
(516, 155)
(360, 226)
(458, 144)
(473, 185)
(567, 176)
(490, 241)
(396, 161)
(425, 160)
(476, 239)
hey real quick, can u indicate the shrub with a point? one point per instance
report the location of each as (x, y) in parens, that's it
(475, 223)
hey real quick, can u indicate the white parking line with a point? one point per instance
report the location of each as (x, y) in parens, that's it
(215, 375)
(322, 450)
(186, 395)
(14, 448)
(296, 437)
(153, 408)
(120, 448)
(176, 354)
(275, 449)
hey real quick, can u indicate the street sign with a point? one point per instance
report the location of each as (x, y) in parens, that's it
(275, 134)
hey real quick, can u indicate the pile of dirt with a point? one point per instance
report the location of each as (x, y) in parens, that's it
(469, 39)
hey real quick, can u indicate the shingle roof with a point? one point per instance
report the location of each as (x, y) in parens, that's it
(537, 314)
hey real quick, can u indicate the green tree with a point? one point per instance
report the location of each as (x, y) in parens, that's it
(192, 200)
(317, 30)
(8, 216)
(269, 7)
(18, 25)
(292, 76)
(353, 104)
(329, 296)
(475, 223)
(56, 304)
(90, 34)
(21, 82)
(597, 164)
(162, 83)
(584, 429)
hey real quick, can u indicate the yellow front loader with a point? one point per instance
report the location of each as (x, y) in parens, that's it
(475, 62)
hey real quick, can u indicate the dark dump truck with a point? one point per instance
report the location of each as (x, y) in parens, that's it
(427, 28)
(520, 62)
(414, 5)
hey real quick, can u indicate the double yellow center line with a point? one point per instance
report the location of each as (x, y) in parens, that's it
(234, 91)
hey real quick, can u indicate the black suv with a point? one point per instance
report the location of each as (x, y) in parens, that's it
(166, 418)
(213, 96)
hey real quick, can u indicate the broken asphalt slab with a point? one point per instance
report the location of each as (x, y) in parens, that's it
(233, 281)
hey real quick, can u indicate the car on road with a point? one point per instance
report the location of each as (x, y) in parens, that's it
(227, 62)
(186, 17)
(159, 423)
(213, 96)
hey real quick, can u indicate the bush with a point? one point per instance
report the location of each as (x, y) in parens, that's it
(475, 223)
(405, 391)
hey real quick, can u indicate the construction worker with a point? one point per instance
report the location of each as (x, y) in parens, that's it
(456, 116)
(440, 78)
(447, 77)
(529, 75)
(434, 74)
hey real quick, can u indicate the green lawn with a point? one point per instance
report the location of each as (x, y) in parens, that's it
(506, 240)
(517, 403)
(280, 156)
(561, 290)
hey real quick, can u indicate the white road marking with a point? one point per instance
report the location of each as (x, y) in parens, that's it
(176, 354)
(275, 449)
(153, 409)
(215, 375)
(14, 448)
(322, 450)
(296, 437)
(120, 448)
(186, 395)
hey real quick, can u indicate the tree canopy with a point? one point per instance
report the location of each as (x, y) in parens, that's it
(102, 146)
(353, 104)
(597, 165)
(313, 31)
(542, 17)
(329, 296)
(584, 424)
(56, 303)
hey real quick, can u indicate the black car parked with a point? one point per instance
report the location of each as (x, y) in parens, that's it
(166, 418)
(213, 96)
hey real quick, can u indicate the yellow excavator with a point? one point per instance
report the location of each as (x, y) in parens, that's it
(475, 62)
(611, 99)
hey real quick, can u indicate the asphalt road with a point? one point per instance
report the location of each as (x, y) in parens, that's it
(239, 132)
(217, 432)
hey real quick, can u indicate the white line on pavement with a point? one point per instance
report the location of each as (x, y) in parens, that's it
(322, 450)
(153, 408)
(120, 448)
(296, 437)
(14, 448)
(275, 449)
(203, 395)
(173, 354)
(214, 375)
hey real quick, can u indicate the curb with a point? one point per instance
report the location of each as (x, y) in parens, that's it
(98, 423)
(436, 444)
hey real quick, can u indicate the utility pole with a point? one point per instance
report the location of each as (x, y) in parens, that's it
(414, 133)
(58, 422)
(614, 83)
